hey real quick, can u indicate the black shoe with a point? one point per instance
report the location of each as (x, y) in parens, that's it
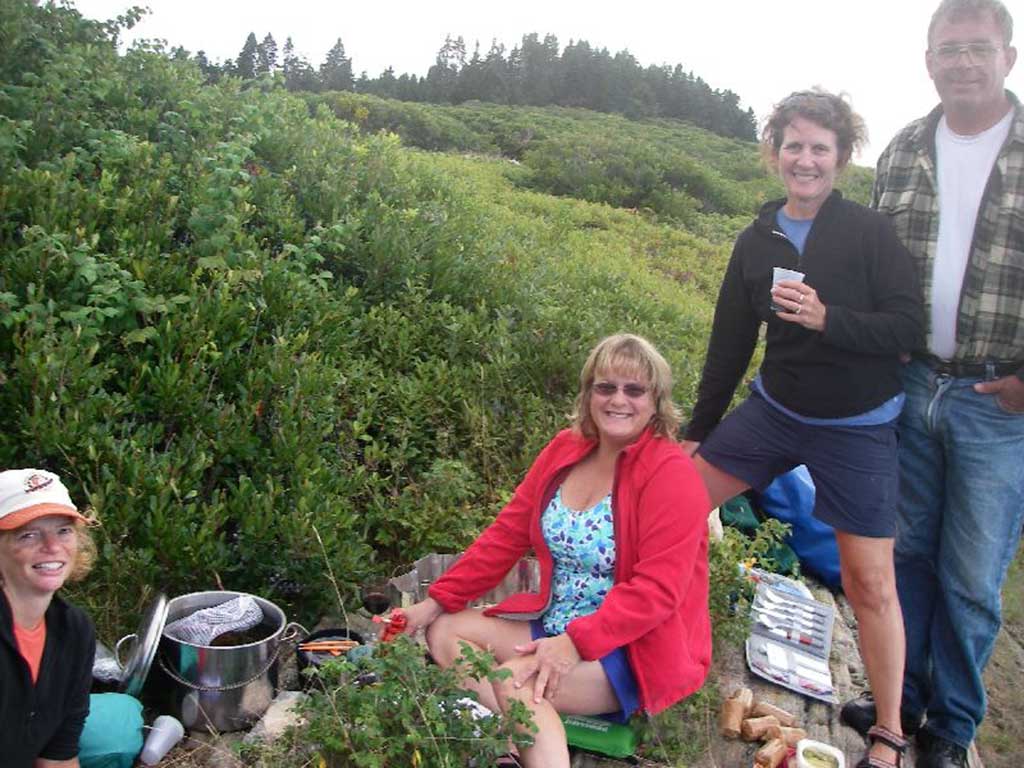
(936, 752)
(860, 715)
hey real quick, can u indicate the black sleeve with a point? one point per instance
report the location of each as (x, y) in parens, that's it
(896, 323)
(64, 743)
(733, 338)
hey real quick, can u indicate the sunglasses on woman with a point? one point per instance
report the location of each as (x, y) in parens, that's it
(608, 388)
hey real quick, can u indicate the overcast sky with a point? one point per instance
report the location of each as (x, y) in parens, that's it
(871, 49)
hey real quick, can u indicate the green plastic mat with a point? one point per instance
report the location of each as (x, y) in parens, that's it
(601, 736)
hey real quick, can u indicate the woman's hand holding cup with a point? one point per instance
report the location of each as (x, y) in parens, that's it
(797, 302)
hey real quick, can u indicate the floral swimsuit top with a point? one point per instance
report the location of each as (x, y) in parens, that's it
(582, 544)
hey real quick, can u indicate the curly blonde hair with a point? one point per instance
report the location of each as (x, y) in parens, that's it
(628, 354)
(85, 553)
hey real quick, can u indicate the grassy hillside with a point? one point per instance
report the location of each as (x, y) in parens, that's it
(261, 333)
(236, 319)
(227, 319)
(669, 170)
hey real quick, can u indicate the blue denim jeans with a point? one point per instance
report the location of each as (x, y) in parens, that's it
(961, 510)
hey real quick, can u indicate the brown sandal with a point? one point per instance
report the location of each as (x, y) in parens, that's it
(892, 740)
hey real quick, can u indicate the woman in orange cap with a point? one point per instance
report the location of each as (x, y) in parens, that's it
(46, 645)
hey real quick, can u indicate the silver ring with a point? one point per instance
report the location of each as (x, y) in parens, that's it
(798, 310)
(802, 297)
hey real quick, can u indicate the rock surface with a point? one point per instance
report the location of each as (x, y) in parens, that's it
(280, 715)
(820, 720)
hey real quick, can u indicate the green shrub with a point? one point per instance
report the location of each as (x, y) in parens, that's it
(228, 317)
(396, 709)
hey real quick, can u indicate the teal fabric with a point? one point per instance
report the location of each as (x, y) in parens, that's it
(737, 513)
(112, 736)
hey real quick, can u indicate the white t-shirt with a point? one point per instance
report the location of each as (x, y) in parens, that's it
(964, 165)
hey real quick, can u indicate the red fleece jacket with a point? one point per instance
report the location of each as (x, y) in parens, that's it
(658, 606)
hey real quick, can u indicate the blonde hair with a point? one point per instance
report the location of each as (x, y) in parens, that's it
(628, 354)
(85, 552)
(85, 557)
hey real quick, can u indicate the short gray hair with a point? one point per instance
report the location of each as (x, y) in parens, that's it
(953, 9)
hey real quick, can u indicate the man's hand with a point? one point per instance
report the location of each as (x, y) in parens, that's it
(1009, 392)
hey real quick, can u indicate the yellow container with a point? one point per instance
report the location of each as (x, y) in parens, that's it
(817, 754)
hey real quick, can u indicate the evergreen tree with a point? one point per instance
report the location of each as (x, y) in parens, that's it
(495, 78)
(537, 69)
(578, 86)
(288, 61)
(443, 76)
(266, 56)
(409, 88)
(245, 67)
(469, 84)
(299, 75)
(210, 71)
(630, 93)
(581, 76)
(336, 71)
(386, 85)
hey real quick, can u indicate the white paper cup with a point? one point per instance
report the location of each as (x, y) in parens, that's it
(781, 273)
(165, 733)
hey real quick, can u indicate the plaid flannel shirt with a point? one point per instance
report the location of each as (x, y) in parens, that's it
(990, 319)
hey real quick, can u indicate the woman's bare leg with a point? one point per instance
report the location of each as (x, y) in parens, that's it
(721, 485)
(585, 690)
(497, 636)
(869, 581)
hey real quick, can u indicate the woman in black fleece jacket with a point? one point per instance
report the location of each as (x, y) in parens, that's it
(46, 645)
(829, 390)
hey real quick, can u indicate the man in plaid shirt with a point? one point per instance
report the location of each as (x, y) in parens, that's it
(952, 184)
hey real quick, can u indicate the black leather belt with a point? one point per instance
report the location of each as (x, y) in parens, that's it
(974, 370)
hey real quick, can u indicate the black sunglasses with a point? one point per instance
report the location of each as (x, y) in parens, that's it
(607, 389)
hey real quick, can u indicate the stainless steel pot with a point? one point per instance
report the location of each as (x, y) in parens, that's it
(221, 688)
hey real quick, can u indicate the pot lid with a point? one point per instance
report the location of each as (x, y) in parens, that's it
(147, 640)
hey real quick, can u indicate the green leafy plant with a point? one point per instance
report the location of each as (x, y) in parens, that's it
(731, 591)
(395, 708)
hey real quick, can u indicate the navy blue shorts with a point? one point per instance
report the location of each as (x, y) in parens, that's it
(855, 469)
(619, 673)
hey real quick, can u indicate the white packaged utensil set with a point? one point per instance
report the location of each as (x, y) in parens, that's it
(790, 640)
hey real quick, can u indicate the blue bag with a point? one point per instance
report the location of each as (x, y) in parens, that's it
(112, 736)
(790, 498)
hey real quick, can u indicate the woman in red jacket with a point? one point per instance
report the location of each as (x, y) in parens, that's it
(617, 517)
